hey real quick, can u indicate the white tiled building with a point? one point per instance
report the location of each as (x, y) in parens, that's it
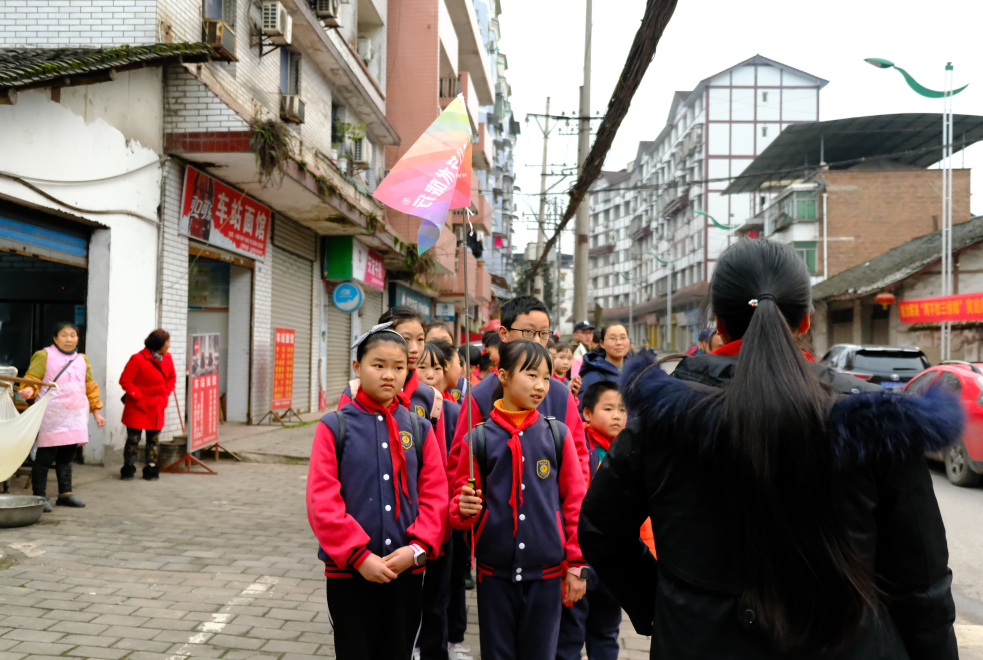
(666, 208)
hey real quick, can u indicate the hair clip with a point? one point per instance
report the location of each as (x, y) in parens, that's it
(387, 327)
(753, 302)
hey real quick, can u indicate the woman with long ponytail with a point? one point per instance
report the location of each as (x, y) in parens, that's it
(792, 508)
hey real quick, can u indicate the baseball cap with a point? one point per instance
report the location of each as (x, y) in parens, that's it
(583, 325)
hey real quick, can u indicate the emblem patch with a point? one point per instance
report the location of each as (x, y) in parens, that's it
(420, 411)
(456, 394)
(543, 469)
(406, 439)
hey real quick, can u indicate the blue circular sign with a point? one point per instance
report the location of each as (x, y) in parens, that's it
(348, 297)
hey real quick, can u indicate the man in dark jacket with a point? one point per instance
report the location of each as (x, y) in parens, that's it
(690, 600)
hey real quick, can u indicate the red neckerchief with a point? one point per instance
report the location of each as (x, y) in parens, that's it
(598, 438)
(562, 379)
(412, 381)
(734, 348)
(395, 445)
(515, 446)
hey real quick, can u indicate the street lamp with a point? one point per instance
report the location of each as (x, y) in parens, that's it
(946, 167)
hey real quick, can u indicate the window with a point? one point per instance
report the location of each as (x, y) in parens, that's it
(807, 252)
(289, 72)
(764, 131)
(607, 260)
(607, 216)
(593, 282)
(921, 383)
(593, 262)
(764, 97)
(950, 382)
(805, 206)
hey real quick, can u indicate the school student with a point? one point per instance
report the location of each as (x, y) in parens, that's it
(596, 618)
(454, 383)
(377, 503)
(437, 330)
(485, 367)
(424, 400)
(523, 512)
(492, 344)
(562, 361)
(523, 317)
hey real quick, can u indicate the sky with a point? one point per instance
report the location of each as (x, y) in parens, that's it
(544, 43)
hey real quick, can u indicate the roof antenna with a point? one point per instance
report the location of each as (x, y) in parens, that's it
(822, 151)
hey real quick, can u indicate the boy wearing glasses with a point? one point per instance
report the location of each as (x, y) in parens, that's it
(524, 317)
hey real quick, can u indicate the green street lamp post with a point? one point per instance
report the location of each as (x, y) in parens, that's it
(946, 167)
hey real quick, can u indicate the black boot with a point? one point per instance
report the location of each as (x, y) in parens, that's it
(151, 472)
(64, 473)
(69, 500)
(127, 471)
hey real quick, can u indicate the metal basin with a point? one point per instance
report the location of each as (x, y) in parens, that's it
(20, 510)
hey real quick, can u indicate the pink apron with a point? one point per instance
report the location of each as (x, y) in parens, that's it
(66, 421)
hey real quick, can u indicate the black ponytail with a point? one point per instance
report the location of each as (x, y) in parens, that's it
(802, 575)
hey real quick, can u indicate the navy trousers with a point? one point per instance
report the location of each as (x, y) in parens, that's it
(436, 596)
(518, 620)
(374, 621)
(595, 620)
(457, 611)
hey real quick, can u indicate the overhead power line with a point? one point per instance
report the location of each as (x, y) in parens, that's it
(657, 15)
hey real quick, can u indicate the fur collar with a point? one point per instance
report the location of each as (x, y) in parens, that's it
(865, 426)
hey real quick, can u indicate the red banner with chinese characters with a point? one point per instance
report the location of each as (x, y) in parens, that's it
(375, 270)
(283, 369)
(203, 404)
(965, 307)
(215, 213)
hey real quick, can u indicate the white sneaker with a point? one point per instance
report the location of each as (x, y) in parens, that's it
(459, 652)
(416, 654)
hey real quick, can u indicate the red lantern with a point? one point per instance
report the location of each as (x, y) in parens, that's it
(885, 299)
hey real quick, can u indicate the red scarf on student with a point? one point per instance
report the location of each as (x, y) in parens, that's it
(734, 348)
(412, 381)
(598, 438)
(395, 445)
(515, 446)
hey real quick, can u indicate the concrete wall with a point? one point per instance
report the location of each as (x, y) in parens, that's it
(871, 212)
(47, 140)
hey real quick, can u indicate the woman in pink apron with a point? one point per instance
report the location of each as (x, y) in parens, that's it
(66, 421)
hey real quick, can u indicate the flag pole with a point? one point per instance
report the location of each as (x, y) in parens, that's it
(467, 350)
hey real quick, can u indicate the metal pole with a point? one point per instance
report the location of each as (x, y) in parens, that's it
(559, 266)
(582, 244)
(537, 287)
(947, 282)
(467, 355)
(669, 304)
(825, 242)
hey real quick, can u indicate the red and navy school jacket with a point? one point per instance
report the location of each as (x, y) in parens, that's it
(455, 393)
(350, 506)
(424, 400)
(559, 403)
(544, 535)
(450, 414)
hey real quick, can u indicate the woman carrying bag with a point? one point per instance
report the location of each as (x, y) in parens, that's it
(148, 381)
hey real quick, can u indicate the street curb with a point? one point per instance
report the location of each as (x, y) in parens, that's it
(281, 459)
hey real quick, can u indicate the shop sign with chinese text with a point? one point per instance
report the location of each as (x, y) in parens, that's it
(964, 307)
(347, 259)
(215, 213)
(283, 369)
(203, 404)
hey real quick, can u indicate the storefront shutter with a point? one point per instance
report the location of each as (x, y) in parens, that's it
(292, 306)
(338, 356)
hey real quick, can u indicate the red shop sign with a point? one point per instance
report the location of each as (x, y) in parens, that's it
(203, 396)
(965, 307)
(215, 213)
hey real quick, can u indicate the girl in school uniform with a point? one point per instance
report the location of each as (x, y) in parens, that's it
(424, 400)
(524, 515)
(377, 503)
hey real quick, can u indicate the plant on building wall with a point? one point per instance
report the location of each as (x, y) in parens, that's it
(349, 145)
(271, 142)
(373, 223)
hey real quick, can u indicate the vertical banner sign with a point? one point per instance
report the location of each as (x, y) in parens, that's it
(203, 406)
(283, 369)
(215, 213)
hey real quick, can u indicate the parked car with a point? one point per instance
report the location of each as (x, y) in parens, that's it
(888, 366)
(963, 460)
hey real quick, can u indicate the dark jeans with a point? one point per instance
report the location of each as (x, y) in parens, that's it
(151, 469)
(457, 611)
(518, 620)
(375, 621)
(594, 619)
(436, 596)
(62, 458)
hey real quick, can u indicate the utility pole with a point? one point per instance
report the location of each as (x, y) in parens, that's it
(559, 266)
(537, 286)
(582, 246)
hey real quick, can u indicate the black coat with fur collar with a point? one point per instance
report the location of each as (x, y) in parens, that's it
(689, 601)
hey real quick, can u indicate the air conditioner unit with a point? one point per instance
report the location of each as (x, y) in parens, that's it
(221, 38)
(292, 108)
(328, 11)
(277, 24)
(364, 48)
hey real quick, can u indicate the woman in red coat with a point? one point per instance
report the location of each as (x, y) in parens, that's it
(148, 381)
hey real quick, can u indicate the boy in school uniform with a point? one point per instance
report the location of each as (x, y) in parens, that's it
(377, 503)
(596, 619)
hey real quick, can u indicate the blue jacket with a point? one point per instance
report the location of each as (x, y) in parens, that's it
(594, 369)
(451, 412)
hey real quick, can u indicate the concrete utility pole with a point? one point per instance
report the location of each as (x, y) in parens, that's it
(559, 266)
(582, 246)
(537, 286)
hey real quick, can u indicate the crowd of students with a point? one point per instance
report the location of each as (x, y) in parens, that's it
(403, 515)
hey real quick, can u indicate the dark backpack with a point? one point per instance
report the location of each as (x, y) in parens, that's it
(481, 446)
(340, 439)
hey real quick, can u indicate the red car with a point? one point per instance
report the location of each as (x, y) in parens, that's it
(963, 460)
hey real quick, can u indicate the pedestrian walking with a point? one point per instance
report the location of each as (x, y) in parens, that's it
(437, 330)
(595, 620)
(562, 354)
(377, 502)
(791, 506)
(607, 360)
(523, 512)
(583, 334)
(147, 381)
(523, 317)
(65, 424)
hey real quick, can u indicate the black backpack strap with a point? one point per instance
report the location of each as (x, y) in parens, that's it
(417, 443)
(480, 450)
(339, 440)
(557, 441)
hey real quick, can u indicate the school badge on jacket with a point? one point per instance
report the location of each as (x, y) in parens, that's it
(406, 439)
(420, 410)
(543, 469)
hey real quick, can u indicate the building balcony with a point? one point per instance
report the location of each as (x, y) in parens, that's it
(600, 250)
(472, 54)
(451, 87)
(483, 290)
(482, 151)
(451, 287)
(676, 205)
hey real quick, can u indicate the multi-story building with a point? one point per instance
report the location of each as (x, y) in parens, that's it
(666, 217)
(192, 171)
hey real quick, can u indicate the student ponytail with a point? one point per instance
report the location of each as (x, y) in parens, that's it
(802, 576)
